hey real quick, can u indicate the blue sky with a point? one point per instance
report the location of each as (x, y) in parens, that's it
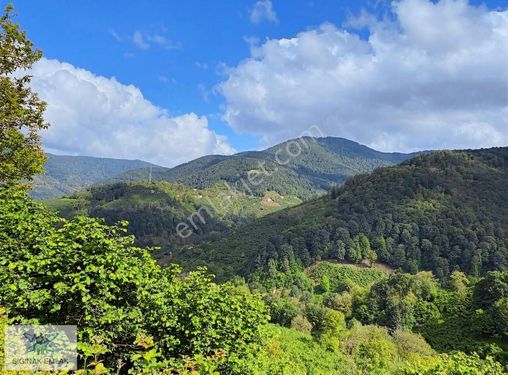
(179, 53)
(204, 33)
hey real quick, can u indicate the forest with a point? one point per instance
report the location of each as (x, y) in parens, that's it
(401, 271)
(444, 211)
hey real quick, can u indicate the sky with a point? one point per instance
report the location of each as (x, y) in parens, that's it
(170, 81)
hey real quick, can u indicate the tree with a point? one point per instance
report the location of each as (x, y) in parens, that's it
(354, 251)
(341, 250)
(379, 245)
(335, 191)
(21, 114)
(364, 245)
(325, 284)
(372, 257)
(459, 283)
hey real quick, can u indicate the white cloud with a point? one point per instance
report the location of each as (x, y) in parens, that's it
(161, 40)
(99, 116)
(263, 10)
(201, 65)
(139, 40)
(145, 40)
(430, 75)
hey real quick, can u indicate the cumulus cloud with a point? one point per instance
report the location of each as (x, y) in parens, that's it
(99, 116)
(263, 10)
(429, 75)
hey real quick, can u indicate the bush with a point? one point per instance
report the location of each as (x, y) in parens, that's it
(85, 273)
(456, 364)
(301, 324)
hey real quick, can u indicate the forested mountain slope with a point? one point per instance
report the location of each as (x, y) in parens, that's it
(442, 211)
(66, 174)
(155, 209)
(303, 167)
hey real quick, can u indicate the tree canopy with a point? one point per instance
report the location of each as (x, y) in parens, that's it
(21, 110)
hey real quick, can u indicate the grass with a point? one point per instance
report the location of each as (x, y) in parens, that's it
(342, 276)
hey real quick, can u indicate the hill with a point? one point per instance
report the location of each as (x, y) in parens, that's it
(221, 185)
(303, 167)
(155, 209)
(442, 211)
(64, 174)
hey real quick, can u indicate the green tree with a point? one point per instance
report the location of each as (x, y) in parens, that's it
(21, 114)
(325, 285)
(379, 244)
(501, 316)
(341, 250)
(459, 283)
(282, 311)
(354, 250)
(371, 257)
(456, 364)
(364, 245)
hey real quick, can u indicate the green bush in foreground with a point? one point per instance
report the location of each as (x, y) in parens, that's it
(130, 312)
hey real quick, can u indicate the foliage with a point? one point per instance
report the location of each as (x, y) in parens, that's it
(456, 364)
(282, 311)
(289, 352)
(86, 273)
(343, 276)
(21, 114)
(155, 209)
(301, 167)
(443, 211)
(447, 318)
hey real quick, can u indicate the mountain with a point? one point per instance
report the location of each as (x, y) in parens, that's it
(66, 174)
(442, 211)
(304, 167)
(223, 186)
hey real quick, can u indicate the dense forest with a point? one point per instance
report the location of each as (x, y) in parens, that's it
(304, 295)
(444, 211)
(303, 167)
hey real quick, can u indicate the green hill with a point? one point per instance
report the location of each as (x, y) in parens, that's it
(304, 167)
(154, 210)
(64, 175)
(288, 173)
(442, 211)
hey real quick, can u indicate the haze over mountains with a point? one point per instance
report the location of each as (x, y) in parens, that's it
(303, 167)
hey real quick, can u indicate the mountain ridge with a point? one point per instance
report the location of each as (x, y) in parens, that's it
(66, 174)
(304, 167)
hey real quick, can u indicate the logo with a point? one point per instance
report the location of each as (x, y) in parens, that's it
(40, 348)
(40, 344)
